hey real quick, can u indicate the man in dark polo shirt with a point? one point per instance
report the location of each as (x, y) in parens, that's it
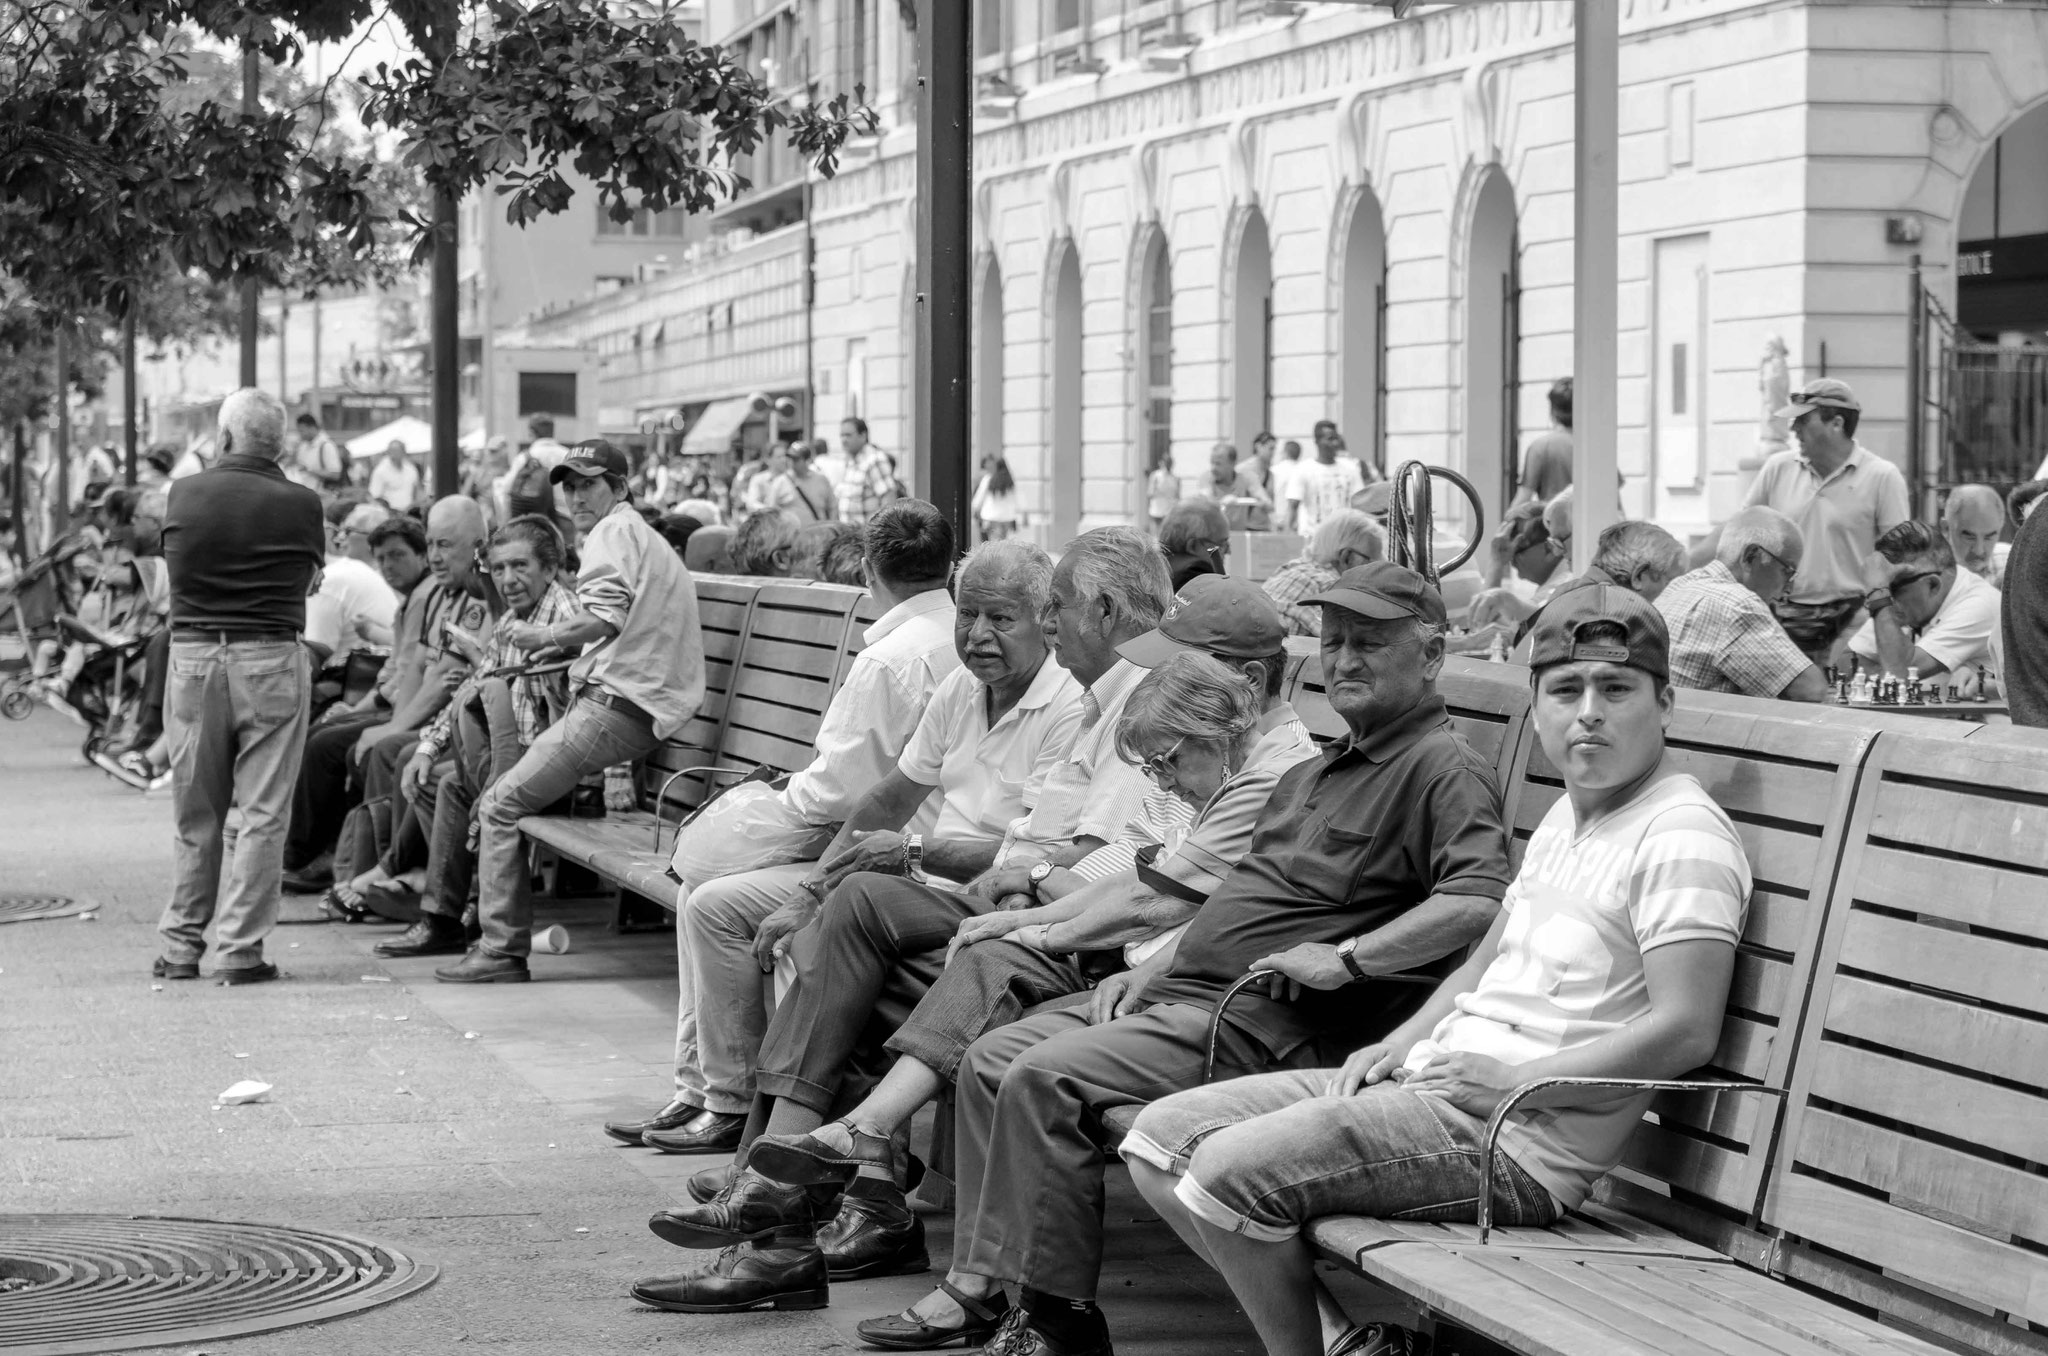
(242, 544)
(1385, 855)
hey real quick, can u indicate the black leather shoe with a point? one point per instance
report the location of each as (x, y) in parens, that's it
(1017, 1337)
(742, 1278)
(902, 1332)
(432, 935)
(308, 880)
(676, 1113)
(805, 1160)
(248, 974)
(483, 967)
(874, 1236)
(170, 969)
(704, 1186)
(750, 1208)
(707, 1132)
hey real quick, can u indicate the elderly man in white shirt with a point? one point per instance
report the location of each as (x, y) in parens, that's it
(1927, 614)
(989, 737)
(774, 834)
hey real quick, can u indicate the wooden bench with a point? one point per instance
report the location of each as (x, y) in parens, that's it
(774, 653)
(1901, 1172)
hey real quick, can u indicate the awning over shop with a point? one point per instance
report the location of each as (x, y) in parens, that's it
(715, 427)
(415, 433)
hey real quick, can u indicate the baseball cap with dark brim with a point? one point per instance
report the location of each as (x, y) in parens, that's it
(1215, 614)
(1825, 394)
(1383, 591)
(1558, 635)
(594, 458)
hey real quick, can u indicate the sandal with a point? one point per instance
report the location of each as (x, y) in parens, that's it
(1375, 1339)
(336, 905)
(907, 1332)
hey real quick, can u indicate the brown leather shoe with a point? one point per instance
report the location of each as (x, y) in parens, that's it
(773, 1277)
(432, 935)
(707, 1132)
(676, 1114)
(484, 967)
(751, 1208)
(805, 1160)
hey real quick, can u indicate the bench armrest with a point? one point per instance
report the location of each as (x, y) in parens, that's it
(1498, 1119)
(709, 774)
(1216, 1017)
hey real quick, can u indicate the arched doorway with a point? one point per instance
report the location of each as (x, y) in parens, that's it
(1155, 362)
(988, 367)
(1492, 342)
(1361, 339)
(1064, 469)
(1252, 403)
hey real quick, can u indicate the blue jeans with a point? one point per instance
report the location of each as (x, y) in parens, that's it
(589, 737)
(1262, 1156)
(236, 717)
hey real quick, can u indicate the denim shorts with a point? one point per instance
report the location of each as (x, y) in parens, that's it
(1264, 1155)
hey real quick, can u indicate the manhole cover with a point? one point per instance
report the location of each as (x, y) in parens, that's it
(25, 908)
(117, 1283)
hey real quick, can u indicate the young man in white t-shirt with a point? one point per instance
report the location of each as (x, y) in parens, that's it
(1611, 958)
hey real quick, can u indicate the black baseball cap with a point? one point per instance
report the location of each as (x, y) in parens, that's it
(1215, 614)
(594, 457)
(1384, 591)
(1645, 643)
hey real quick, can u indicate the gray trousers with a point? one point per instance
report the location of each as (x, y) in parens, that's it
(1031, 1100)
(236, 717)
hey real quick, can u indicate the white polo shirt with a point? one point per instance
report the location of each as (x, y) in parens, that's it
(876, 711)
(1840, 517)
(1959, 633)
(1091, 792)
(986, 774)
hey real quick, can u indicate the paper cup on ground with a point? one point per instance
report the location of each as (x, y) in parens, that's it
(553, 940)
(248, 1090)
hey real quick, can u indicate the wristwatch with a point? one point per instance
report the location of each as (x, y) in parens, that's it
(1345, 949)
(1037, 876)
(1877, 600)
(913, 856)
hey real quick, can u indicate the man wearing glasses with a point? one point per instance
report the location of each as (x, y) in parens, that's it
(1723, 635)
(1843, 498)
(1925, 614)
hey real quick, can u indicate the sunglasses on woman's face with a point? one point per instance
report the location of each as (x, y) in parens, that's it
(1159, 767)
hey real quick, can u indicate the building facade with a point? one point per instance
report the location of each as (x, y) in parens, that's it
(1200, 219)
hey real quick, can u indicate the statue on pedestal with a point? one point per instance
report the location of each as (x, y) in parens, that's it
(1774, 381)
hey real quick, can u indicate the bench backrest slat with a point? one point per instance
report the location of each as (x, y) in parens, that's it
(1916, 1139)
(723, 607)
(783, 680)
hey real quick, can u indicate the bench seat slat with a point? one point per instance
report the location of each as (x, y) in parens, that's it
(1590, 1229)
(1937, 1179)
(616, 848)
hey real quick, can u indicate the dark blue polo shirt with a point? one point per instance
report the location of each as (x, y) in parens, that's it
(1347, 843)
(242, 544)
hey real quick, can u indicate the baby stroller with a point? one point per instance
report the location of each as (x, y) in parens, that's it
(29, 610)
(106, 691)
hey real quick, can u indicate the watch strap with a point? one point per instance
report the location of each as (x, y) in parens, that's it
(1344, 953)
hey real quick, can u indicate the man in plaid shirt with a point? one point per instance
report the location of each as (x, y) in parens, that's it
(1724, 637)
(1345, 539)
(870, 479)
(480, 742)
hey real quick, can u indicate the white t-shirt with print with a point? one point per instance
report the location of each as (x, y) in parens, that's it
(1323, 490)
(1587, 903)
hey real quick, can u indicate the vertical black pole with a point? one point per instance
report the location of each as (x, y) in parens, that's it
(447, 370)
(945, 246)
(251, 94)
(1916, 366)
(17, 493)
(60, 412)
(128, 396)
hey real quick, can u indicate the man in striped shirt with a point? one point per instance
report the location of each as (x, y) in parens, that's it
(870, 479)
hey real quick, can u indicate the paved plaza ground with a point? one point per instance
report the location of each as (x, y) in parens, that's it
(478, 1152)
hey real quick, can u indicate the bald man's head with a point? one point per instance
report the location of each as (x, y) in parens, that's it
(1973, 519)
(455, 538)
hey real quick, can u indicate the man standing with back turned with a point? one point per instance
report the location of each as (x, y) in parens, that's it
(242, 544)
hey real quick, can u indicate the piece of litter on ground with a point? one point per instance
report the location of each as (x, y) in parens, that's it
(87, 917)
(382, 1018)
(401, 1019)
(295, 946)
(611, 1056)
(551, 1146)
(242, 1055)
(156, 988)
(583, 1231)
(469, 1035)
(376, 979)
(401, 1092)
(244, 1092)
